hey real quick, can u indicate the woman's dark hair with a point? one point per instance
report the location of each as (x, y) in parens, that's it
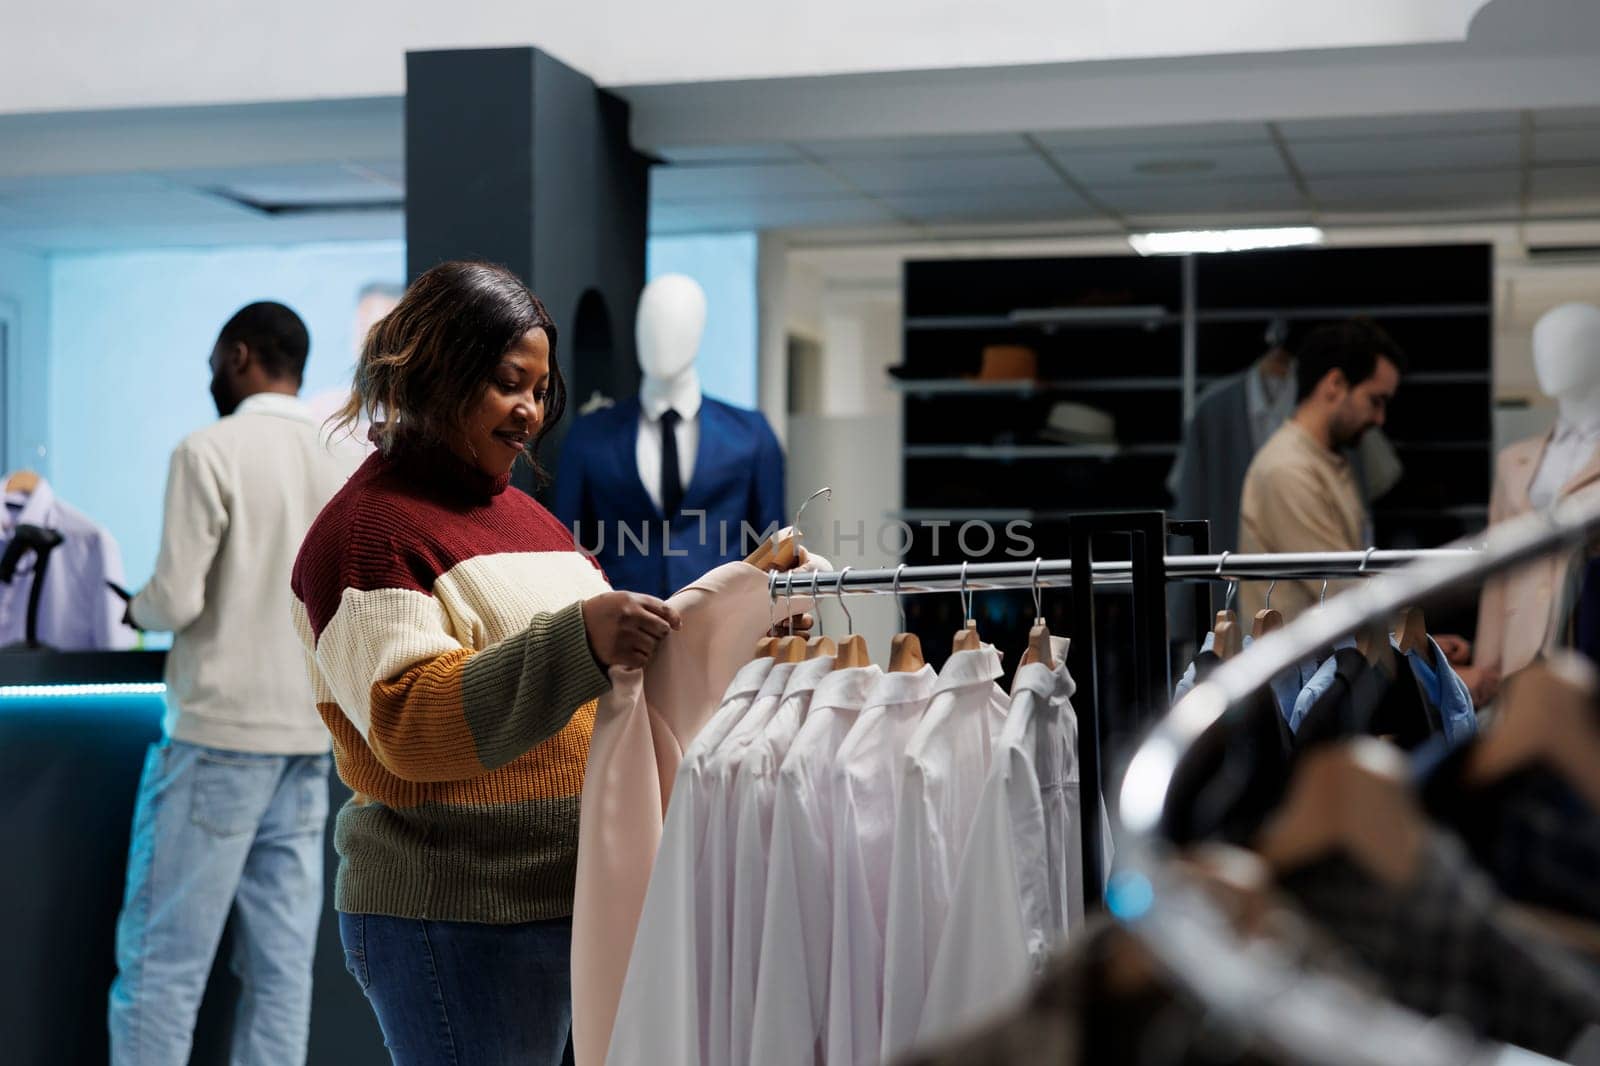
(425, 365)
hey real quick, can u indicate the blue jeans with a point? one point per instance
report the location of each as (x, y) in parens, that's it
(214, 832)
(463, 993)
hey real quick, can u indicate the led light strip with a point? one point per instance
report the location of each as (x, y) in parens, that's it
(123, 688)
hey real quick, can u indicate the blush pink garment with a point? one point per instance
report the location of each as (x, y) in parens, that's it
(641, 729)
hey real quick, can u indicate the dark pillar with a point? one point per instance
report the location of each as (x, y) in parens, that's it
(514, 157)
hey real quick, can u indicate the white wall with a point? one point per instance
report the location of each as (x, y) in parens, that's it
(129, 338)
(25, 302)
(84, 54)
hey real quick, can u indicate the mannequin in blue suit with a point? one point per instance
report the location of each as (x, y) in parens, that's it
(651, 531)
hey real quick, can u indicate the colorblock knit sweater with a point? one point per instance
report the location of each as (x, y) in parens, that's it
(441, 615)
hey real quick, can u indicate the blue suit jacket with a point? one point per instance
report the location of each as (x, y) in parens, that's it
(737, 481)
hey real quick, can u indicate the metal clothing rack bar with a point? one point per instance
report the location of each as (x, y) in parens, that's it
(1058, 573)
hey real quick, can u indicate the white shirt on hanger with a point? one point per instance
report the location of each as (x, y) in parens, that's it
(655, 398)
(791, 1004)
(77, 609)
(942, 775)
(754, 794)
(1011, 906)
(715, 872)
(661, 1013)
(864, 783)
(1570, 449)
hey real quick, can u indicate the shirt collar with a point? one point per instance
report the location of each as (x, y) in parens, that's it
(776, 681)
(35, 509)
(847, 688)
(681, 393)
(750, 677)
(1566, 430)
(1044, 682)
(897, 687)
(1310, 444)
(808, 675)
(276, 403)
(967, 668)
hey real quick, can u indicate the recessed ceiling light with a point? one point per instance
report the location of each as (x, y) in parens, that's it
(1223, 240)
(1174, 167)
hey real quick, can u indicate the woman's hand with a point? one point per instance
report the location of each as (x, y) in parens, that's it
(1457, 650)
(625, 627)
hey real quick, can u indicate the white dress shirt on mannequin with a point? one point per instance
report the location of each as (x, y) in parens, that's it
(1570, 450)
(656, 396)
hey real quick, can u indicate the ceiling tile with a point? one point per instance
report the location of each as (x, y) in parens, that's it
(1566, 146)
(779, 214)
(1173, 166)
(1392, 155)
(730, 153)
(1202, 197)
(907, 175)
(918, 147)
(328, 183)
(701, 183)
(1159, 137)
(1339, 129)
(1564, 190)
(1040, 202)
(1491, 191)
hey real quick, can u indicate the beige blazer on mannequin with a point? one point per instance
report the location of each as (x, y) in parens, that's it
(641, 729)
(1517, 613)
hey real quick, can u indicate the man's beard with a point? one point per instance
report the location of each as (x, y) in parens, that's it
(225, 401)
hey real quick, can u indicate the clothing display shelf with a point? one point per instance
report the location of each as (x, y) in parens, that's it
(1145, 576)
(1159, 910)
(1139, 339)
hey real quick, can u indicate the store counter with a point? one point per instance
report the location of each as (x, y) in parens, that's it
(74, 729)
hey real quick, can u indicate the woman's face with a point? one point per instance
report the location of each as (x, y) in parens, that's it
(510, 410)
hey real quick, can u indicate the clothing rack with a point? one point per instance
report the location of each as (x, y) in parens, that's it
(1146, 574)
(1153, 902)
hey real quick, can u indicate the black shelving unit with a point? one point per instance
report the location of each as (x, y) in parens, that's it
(1140, 339)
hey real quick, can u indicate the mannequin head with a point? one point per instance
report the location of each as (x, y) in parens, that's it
(1566, 356)
(672, 319)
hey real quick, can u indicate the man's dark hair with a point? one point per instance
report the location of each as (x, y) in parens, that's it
(274, 334)
(1353, 347)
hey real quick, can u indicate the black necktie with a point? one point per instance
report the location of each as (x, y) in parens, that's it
(671, 480)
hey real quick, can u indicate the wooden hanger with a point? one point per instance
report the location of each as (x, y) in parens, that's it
(852, 651)
(905, 650)
(23, 481)
(1547, 716)
(782, 550)
(1349, 798)
(966, 638)
(1267, 619)
(1226, 638)
(1412, 633)
(1039, 650)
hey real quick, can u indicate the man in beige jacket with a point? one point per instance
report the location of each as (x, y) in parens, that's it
(1300, 494)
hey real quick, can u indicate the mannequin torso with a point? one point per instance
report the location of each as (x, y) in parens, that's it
(1514, 614)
